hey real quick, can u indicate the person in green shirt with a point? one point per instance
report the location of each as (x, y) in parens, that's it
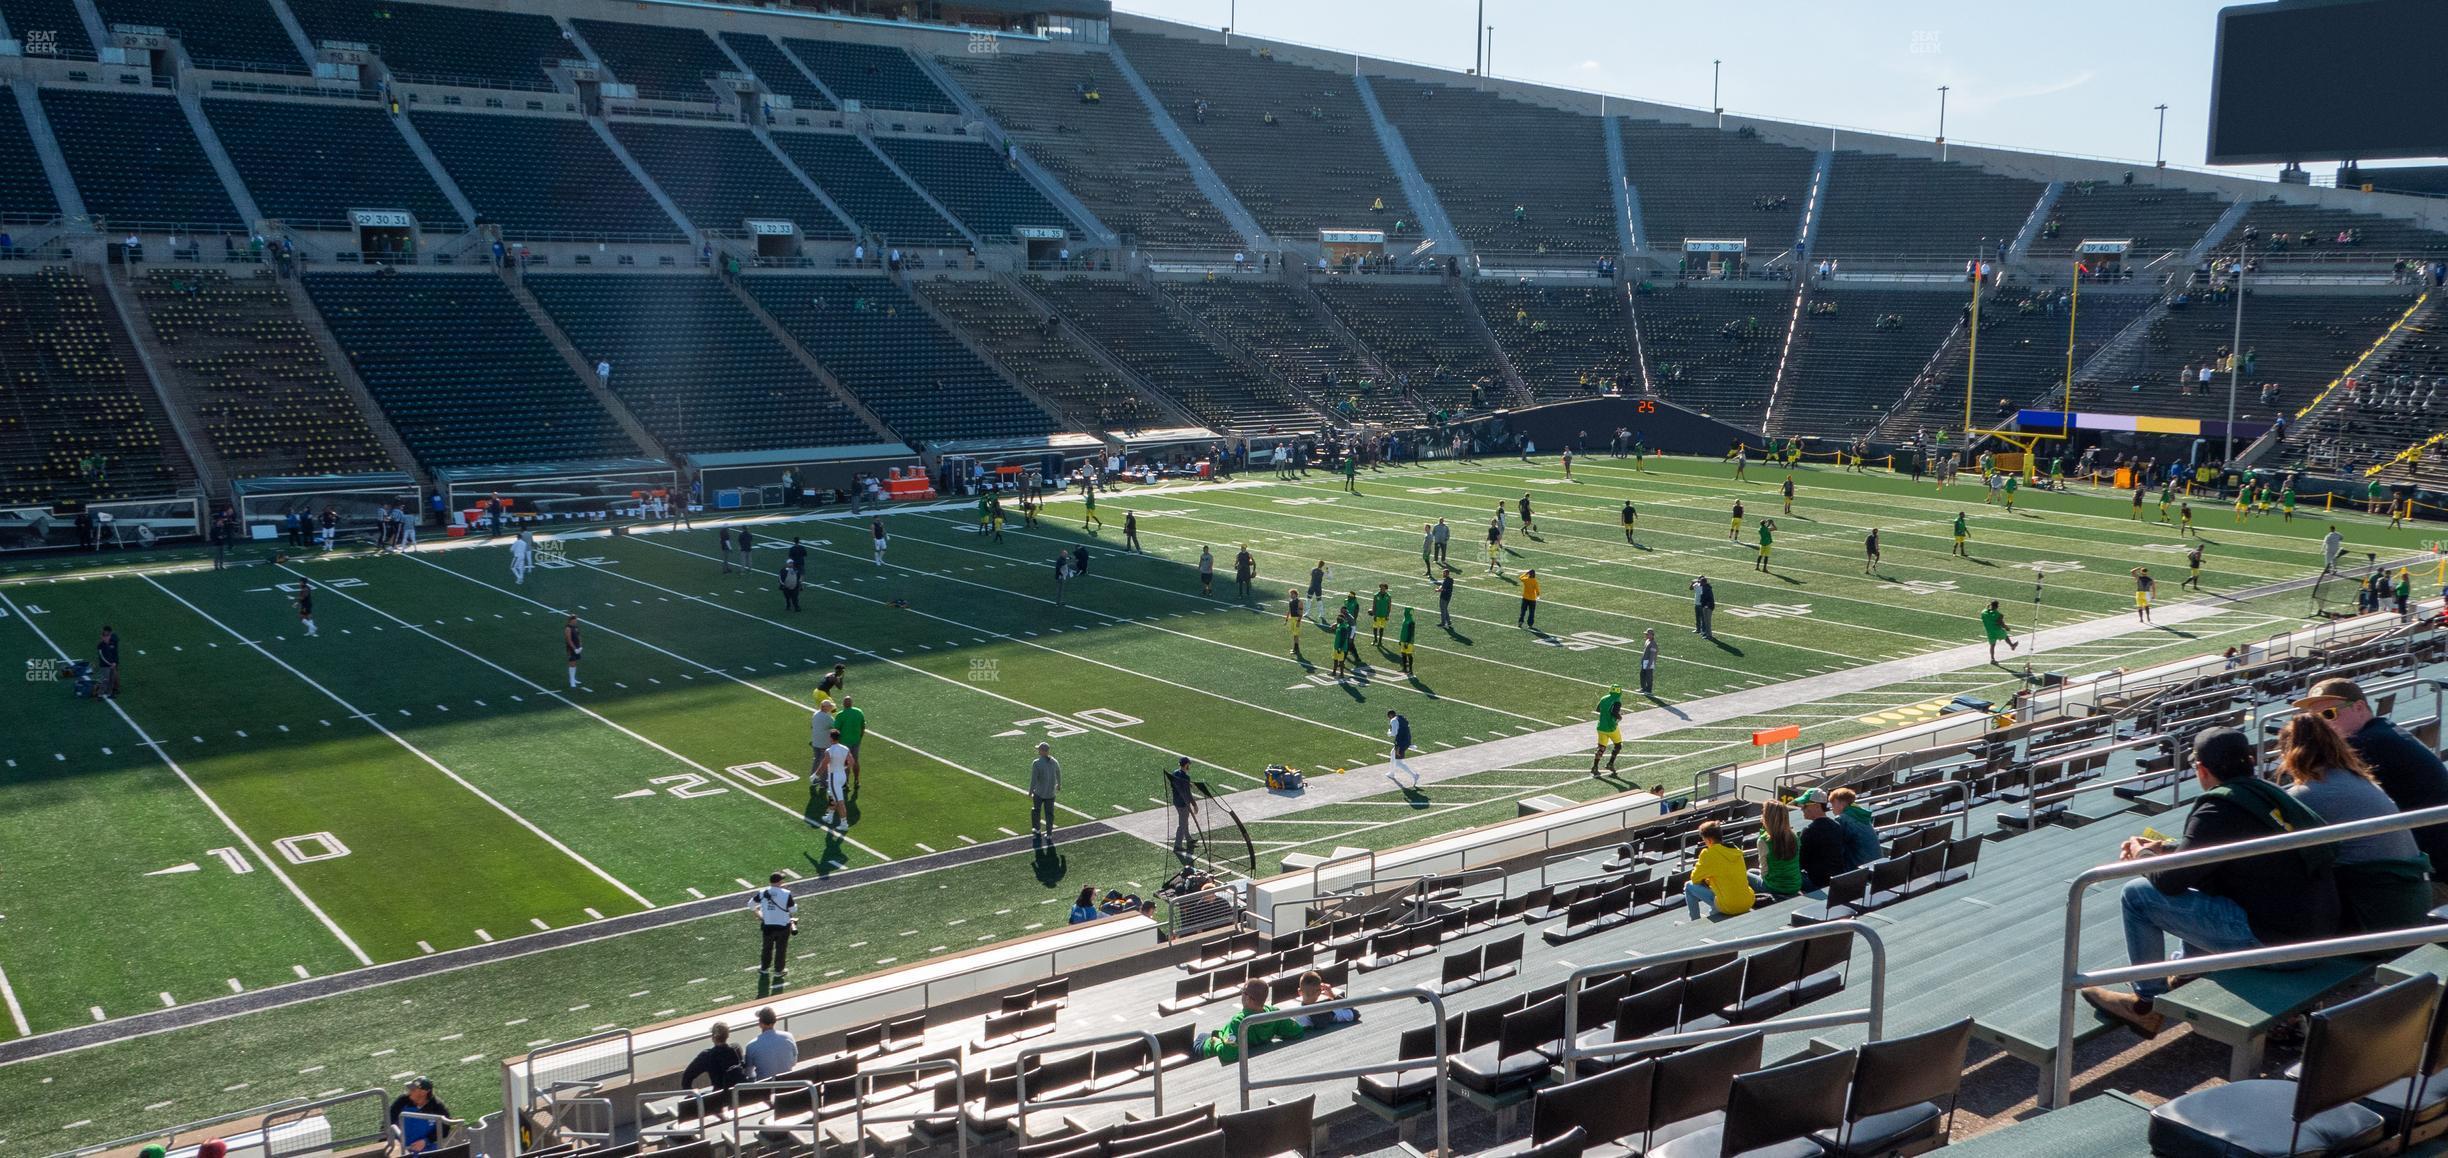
(852, 721)
(1640, 452)
(2014, 482)
(1408, 631)
(1345, 648)
(1351, 471)
(1993, 625)
(2286, 505)
(1610, 729)
(1381, 608)
(1767, 539)
(1351, 607)
(2374, 493)
(1963, 531)
(985, 515)
(1780, 853)
(2405, 591)
(1225, 1042)
(1088, 495)
(2167, 496)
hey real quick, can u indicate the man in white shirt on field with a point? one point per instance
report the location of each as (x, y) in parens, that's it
(833, 775)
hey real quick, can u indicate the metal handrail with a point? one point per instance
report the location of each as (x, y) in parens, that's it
(396, 1134)
(2072, 978)
(573, 1045)
(1875, 1016)
(1443, 1051)
(1317, 872)
(1173, 904)
(1155, 1053)
(960, 1097)
(317, 1108)
(813, 1127)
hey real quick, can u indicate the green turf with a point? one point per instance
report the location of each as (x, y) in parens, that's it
(430, 732)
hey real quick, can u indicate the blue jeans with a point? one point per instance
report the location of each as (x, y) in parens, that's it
(2203, 923)
(1695, 895)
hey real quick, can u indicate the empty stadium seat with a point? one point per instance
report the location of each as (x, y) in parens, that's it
(976, 184)
(882, 346)
(1107, 152)
(693, 365)
(2156, 219)
(461, 371)
(1139, 330)
(2281, 232)
(875, 75)
(2021, 359)
(874, 196)
(252, 376)
(52, 22)
(310, 164)
(671, 64)
(1268, 320)
(440, 44)
(1856, 353)
(1488, 156)
(25, 194)
(1714, 349)
(136, 162)
(780, 74)
(1712, 184)
(75, 396)
(721, 177)
(241, 35)
(542, 177)
(1880, 207)
(1564, 341)
(1043, 356)
(2298, 342)
(1422, 333)
(1293, 142)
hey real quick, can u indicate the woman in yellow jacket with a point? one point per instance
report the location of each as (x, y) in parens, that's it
(1718, 878)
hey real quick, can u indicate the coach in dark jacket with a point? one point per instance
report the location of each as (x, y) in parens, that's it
(2272, 899)
(2407, 770)
(1826, 848)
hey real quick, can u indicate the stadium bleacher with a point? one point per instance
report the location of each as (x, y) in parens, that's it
(1105, 151)
(77, 421)
(308, 165)
(48, 22)
(1564, 341)
(1710, 184)
(252, 375)
(1714, 349)
(1293, 142)
(693, 365)
(975, 183)
(665, 63)
(877, 76)
(874, 196)
(2297, 343)
(1883, 207)
(2397, 400)
(1043, 356)
(2022, 357)
(1269, 321)
(25, 194)
(542, 177)
(2283, 231)
(767, 60)
(2156, 219)
(884, 348)
(241, 35)
(136, 162)
(721, 177)
(1422, 333)
(1515, 178)
(442, 44)
(1134, 327)
(1856, 353)
(461, 371)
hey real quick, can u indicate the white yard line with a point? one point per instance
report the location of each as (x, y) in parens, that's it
(146, 739)
(411, 749)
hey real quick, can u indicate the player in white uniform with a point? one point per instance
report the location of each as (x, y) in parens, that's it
(834, 774)
(522, 556)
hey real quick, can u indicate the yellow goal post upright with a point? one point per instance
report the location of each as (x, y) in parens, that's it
(2026, 441)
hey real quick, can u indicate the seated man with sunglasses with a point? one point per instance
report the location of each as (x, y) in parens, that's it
(2407, 769)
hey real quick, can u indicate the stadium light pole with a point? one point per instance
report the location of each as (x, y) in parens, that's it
(1942, 95)
(1479, 45)
(1716, 73)
(2159, 151)
(1232, 19)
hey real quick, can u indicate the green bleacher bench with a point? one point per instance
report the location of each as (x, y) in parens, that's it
(2239, 1007)
(2108, 1126)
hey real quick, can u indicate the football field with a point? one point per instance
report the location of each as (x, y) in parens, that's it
(260, 806)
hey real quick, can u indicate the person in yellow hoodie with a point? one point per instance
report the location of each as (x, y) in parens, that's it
(1719, 878)
(1528, 617)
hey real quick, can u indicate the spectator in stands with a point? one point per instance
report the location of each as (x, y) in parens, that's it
(1825, 850)
(720, 1063)
(771, 1053)
(1780, 854)
(2405, 768)
(1315, 990)
(1718, 878)
(1861, 828)
(1225, 1041)
(418, 1135)
(1084, 907)
(2383, 880)
(2271, 899)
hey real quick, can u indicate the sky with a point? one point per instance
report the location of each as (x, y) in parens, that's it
(2073, 76)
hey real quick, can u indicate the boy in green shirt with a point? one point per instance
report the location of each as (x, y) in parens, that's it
(1963, 530)
(1610, 729)
(1381, 609)
(1225, 1042)
(1767, 538)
